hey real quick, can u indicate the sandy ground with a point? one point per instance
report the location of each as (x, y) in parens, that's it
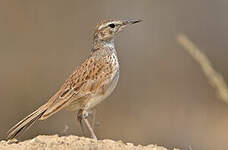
(55, 142)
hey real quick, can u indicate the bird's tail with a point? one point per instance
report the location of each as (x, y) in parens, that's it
(25, 123)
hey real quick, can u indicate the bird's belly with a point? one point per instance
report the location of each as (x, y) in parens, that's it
(97, 99)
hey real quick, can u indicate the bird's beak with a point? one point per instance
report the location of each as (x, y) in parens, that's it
(128, 22)
(125, 23)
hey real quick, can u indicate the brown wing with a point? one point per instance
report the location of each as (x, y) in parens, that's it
(88, 79)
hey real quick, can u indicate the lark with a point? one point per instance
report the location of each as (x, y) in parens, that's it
(92, 82)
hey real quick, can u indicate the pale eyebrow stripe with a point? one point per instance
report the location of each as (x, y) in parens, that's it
(104, 25)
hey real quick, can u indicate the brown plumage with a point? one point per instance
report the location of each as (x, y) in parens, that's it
(90, 83)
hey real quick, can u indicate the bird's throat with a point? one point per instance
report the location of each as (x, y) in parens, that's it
(103, 43)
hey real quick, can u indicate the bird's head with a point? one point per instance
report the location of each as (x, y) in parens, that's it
(106, 30)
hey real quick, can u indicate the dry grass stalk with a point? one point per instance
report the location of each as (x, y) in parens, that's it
(214, 77)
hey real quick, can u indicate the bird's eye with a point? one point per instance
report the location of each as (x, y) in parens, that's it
(112, 25)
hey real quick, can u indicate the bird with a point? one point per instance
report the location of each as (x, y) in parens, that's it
(91, 82)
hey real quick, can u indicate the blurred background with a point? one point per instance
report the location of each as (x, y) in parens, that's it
(162, 97)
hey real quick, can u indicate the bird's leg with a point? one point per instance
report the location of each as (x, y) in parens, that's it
(79, 117)
(85, 118)
(94, 118)
(93, 113)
